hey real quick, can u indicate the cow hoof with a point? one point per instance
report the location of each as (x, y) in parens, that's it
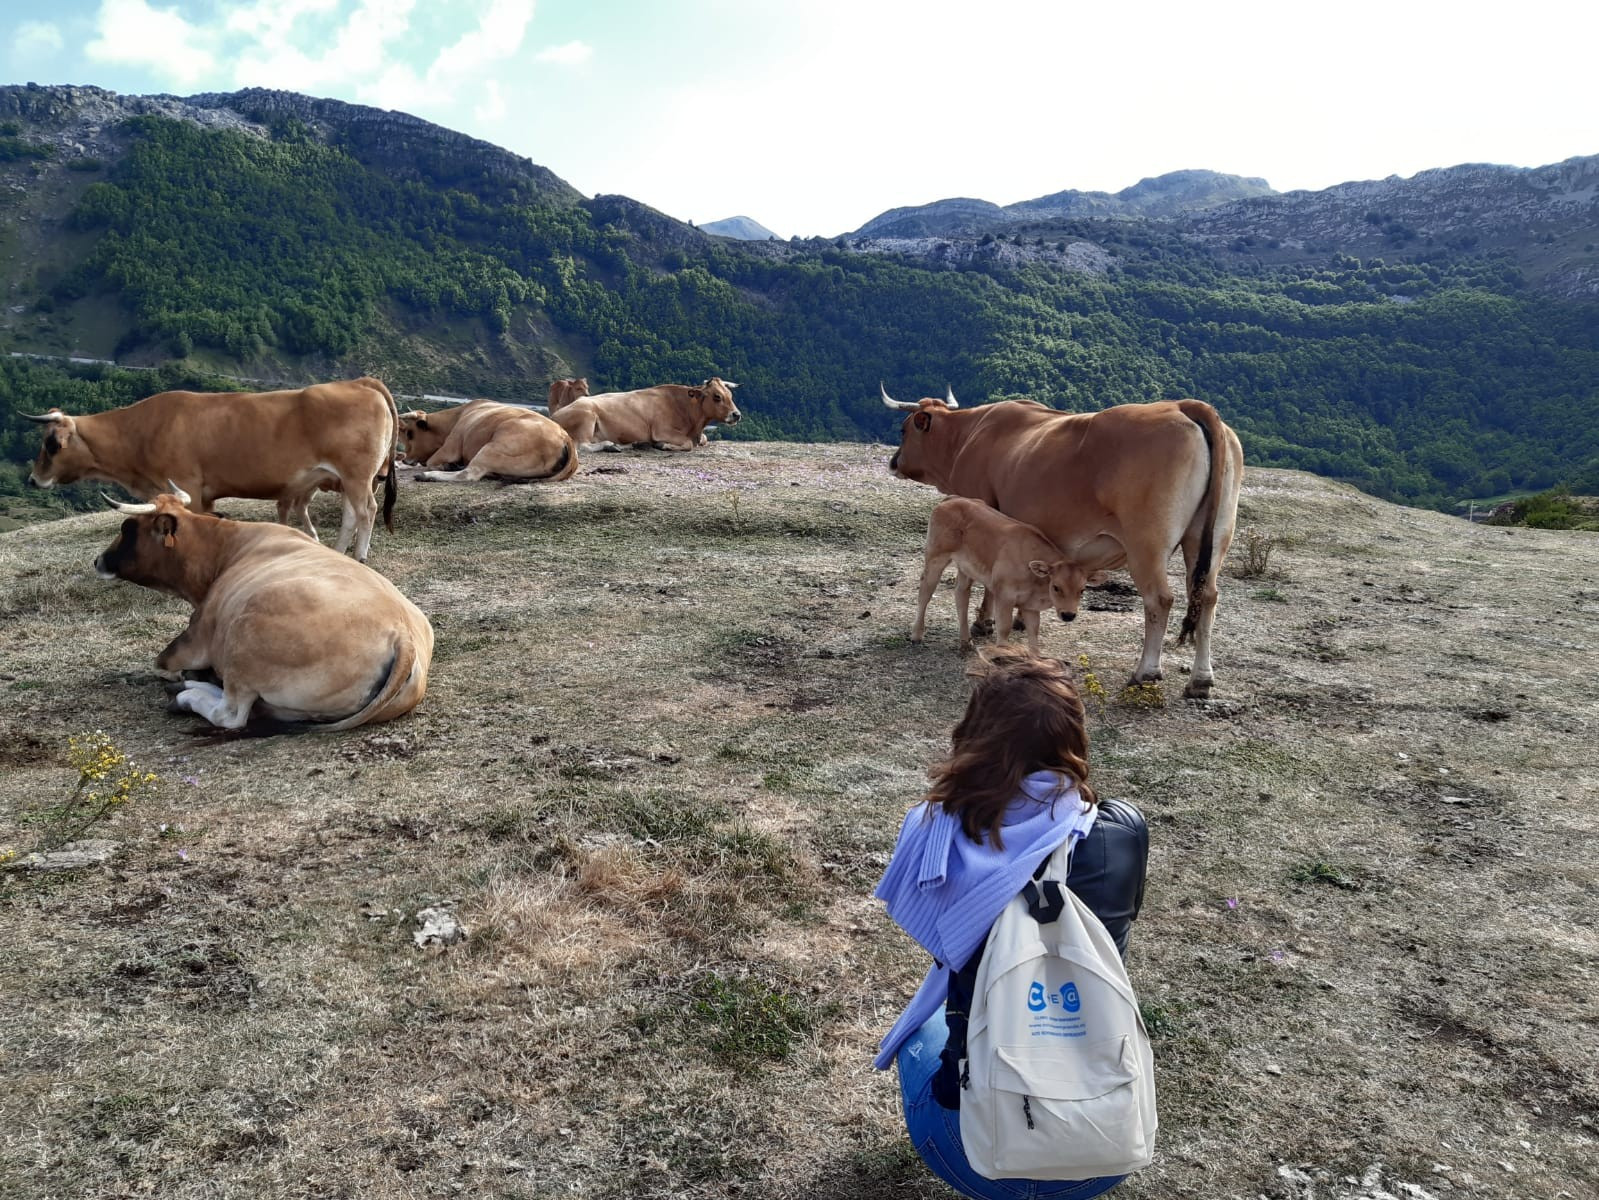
(983, 629)
(1197, 690)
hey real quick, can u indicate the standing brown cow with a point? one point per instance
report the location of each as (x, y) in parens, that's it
(279, 446)
(1121, 487)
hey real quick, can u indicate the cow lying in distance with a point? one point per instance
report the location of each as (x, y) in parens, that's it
(280, 446)
(564, 391)
(669, 416)
(1018, 567)
(297, 632)
(499, 441)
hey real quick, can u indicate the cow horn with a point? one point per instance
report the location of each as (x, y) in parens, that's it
(182, 495)
(44, 418)
(890, 402)
(949, 397)
(728, 383)
(123, 507)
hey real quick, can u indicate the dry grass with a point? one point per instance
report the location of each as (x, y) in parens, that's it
(667, 748)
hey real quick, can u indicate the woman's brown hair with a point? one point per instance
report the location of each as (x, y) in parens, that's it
(1024, 715)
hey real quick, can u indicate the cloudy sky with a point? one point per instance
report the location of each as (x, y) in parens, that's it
(812, 116)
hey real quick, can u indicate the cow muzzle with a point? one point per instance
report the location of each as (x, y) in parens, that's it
(733, 418)
(35, 481)
(1068, 616)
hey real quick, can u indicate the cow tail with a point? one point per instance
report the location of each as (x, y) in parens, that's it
(390, 483)
(400, 678)
(390, 489)
(1209, 422)
(567, 466)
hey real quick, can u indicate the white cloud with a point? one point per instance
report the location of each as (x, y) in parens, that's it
(360, 47)
(571, 54)
(35, 40)
(499, 36)
(133, 33)
(492, 106)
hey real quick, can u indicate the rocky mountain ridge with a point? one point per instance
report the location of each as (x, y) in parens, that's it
(744, 229)
(1171, 194)
(81, 120)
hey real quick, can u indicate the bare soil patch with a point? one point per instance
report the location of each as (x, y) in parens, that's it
(674, 723)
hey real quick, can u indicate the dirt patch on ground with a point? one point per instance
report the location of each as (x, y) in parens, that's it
(673, 726)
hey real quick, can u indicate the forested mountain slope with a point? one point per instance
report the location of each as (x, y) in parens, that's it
(281, 239)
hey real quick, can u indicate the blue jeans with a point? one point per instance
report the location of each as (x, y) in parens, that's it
(936, 1131)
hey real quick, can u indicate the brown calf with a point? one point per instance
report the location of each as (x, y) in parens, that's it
(1018, 566)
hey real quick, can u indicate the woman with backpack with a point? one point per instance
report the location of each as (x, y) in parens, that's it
(1013, 791)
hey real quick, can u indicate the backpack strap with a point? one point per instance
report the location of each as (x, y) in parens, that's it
(1044, 908)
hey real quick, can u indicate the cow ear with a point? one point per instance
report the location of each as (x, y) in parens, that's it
(166, 527)
(421, 422)
(923, 420)
(695, 393)
(1039, 568)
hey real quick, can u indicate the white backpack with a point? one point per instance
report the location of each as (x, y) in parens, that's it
(1059, 1079)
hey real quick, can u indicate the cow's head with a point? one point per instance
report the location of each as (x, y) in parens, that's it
(152, 546)
(419, 440)
(564, 391)
(64, 457)
(1066, 581)
(715, 400)
(923, 436)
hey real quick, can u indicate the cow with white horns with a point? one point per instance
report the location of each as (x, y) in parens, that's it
(297, 633)
(281, 446)
(1121, 487)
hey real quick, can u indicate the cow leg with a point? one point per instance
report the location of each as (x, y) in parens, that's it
(1030, 623)
(228, 709)
(674, 445)
(931, 574)
(1149, 576)
(297, 509)
(1201, 614)
(985, 615)
(963, 600)
(186, 652)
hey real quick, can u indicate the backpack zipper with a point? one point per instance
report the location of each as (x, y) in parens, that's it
(1027, 1111)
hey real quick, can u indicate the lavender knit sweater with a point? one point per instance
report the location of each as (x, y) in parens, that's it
(946, 890)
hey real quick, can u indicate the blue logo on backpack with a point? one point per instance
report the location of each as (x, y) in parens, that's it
(1069, 998)
(1035, 997)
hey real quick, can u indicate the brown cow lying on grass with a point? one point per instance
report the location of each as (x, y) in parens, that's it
(669, 416)
(297, 632)
(1018, 567)
(498, 441)
(280, 446)
(564, 391)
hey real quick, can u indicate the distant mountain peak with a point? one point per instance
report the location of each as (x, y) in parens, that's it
(745, 229)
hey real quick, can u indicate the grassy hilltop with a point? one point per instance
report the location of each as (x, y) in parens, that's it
(673, 725)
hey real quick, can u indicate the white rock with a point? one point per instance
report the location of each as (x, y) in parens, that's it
(439, 928)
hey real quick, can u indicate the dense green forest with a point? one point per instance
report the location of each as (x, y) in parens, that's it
(1427, 379)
